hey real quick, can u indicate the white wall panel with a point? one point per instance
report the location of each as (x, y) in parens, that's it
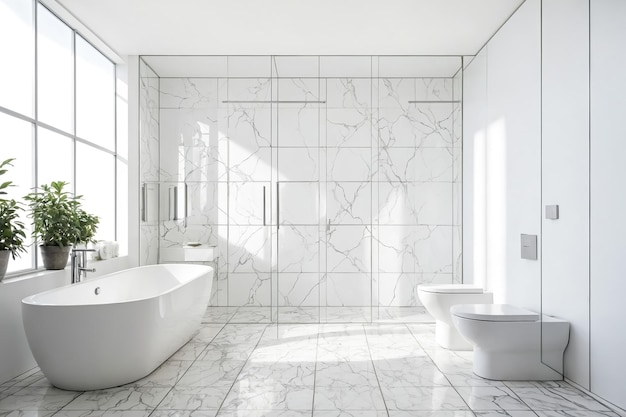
(474, 170)
(513, 156)
(608, 200)
(565, 175)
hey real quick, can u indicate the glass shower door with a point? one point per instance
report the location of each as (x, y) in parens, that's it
(299, 226)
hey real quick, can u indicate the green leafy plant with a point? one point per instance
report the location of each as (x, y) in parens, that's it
(12, 233)
(58, 219)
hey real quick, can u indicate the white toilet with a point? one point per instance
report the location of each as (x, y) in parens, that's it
(508, 341)
(438, 299)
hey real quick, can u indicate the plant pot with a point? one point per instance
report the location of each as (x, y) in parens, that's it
(4, 261)
(55, 257)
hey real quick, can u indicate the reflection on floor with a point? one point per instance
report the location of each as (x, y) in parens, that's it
(241, 365)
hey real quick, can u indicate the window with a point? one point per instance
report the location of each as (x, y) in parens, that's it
(58, 118)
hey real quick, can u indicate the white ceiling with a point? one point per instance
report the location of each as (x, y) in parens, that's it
(293, 27)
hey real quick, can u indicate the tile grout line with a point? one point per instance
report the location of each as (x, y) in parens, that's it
(439, 369)
(374, 368)
(455, 387)
(317, 345)
(185, 373)
(240, 370)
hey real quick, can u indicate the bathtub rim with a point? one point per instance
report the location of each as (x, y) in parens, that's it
(29, 300)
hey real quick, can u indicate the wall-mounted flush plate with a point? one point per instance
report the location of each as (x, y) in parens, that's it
(552, 212)
(529, 247)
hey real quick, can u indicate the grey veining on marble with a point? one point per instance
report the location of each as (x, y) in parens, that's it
(491, 398)
(558, 398)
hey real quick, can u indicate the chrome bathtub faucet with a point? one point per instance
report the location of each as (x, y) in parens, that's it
(79, 262)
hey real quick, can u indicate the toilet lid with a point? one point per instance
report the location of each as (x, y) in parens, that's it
(452, 288)
(493, 312)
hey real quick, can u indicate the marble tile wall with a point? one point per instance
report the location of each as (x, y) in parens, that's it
(414, 224)
(367, 171)
(149, 162)
(457, 182)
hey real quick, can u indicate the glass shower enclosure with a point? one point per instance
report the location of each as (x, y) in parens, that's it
(326, 187)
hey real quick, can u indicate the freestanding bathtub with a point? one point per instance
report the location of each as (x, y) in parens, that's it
(117, 328)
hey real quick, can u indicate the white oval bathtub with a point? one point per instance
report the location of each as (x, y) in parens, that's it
(117, 328)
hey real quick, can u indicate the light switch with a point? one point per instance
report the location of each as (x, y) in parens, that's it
(529, 247)
(552, 212)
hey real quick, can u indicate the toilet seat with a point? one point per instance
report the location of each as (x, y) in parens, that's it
(494, 312)
(452, 289)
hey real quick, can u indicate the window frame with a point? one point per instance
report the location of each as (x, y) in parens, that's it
(36, 124)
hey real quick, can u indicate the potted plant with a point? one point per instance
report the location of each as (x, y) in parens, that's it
(59, 222)
(11, 228)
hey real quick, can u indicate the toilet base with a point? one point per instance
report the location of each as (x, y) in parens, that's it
(448, 337)
(513, 366)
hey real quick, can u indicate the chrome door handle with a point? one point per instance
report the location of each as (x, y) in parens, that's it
(264, 223)
(277, 205)
(144, 201)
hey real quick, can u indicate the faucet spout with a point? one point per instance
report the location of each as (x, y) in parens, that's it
(79, 263)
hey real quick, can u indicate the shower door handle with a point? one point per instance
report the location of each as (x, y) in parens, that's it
(144, 201)
(264, 222)
(186, 205)
(277, 205)
(172, 197)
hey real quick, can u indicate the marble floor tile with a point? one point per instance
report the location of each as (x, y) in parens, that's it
(346, 315)
(20, 413)
(207, 333)
(465, 378)
(491, 398)
(405, 345)
(299, 314)
(101, 413)
(37, 399)
(508, 413)
(27, 380)
(345, 374)
(165, 376)
(194, 398)
(282, 331)
(211, 373)
(23, 376)
(402, 315)
(348, 397)
(219, 314)
(418, 375)
(269, 398)
(189, 352)
(183, 413)
(252, 315)
(350, 413)
(289, 373)
(577, 413)
(264, 413)
(423, 398)
(217, 352)
(328, 353)
(239, 334)
(537, 384)
(546, 399)
(431, 413)
(118, 399)
(281, 355)
(449, 361)
(8, 391)
(338, 369)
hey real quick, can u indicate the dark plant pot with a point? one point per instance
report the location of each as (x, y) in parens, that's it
(55, 257)
(4, 261)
